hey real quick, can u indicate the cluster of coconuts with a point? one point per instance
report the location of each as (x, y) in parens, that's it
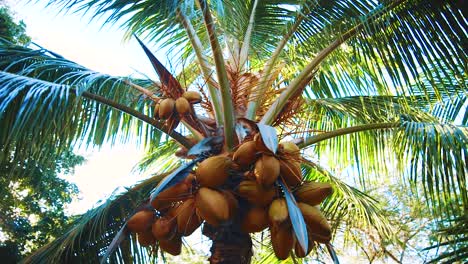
(214, 193)
(165, 108)
(268, 207)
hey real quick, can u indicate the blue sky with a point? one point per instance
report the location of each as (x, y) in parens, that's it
(101, 49)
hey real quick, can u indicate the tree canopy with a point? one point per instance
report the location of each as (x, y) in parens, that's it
(368, 90)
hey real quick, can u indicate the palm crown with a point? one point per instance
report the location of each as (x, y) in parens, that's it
(376, 88)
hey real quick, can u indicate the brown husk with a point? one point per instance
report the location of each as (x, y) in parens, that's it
(187, 219)
(313, 193)
(256, 194)
(212, 206)
(140, 221)
(213, 171)
(267, 170)
(255, 220)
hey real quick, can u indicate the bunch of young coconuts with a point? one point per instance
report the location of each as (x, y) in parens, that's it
(241, 186)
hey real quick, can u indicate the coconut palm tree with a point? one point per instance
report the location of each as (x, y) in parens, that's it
(366, 89)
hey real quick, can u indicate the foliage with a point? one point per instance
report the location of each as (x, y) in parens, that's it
(369, 90)
(34, 200)
(34, 196)
(9, 29)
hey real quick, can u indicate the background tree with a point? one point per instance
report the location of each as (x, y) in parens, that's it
(368, 89)
(33, 195)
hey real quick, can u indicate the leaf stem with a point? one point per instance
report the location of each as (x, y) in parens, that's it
(343, 131)
(156, 124)
(297, 83)
(205, 67)
(226, 98)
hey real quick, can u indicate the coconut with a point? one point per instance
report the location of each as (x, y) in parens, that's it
(166, 108)
(212, 206)
(245, 154)
(164, 227)
(290, 149)
(256, 194)
(187, 219)
(192, 96)
(182, 105)
(213, 171)
(175, 193)
(278, 211)
(282, 240)
(255, 220)
(259, 145)
(316, 223)
(291, 172)
(140, 221)
(299, 251)
(267, 170)
(156, 111)
(172, 246)
(232, 202)
(146, 238)
(313, 193)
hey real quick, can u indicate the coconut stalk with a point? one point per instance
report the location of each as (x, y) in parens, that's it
(244, 53)
(228, 108)
(255, 97)
(205, 67)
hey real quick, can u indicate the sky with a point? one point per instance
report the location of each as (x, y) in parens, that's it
(101, 49)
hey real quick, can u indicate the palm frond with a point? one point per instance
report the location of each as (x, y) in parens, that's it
(453, 241)
(88, 237)
(435, 155)
(349, 208)
(50, 100)
(160, 158)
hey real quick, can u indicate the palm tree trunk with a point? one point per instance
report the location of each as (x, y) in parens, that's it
(230, 245)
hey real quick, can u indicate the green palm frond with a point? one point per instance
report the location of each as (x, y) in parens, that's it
(89, 236)
(349, 208)
(453, 241)
(50, 100)
(407, 47)
(435, 155)
(160, 158)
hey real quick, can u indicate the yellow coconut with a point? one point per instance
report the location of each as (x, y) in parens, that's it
(213, 171)
(193, 97)
(182, 106)
(164, 227)
(282, 239)
(156, 111)
(316, 223)
(313, 193)
(212, 206)
(299, 251)
(233, 204)
(187, 219)
(146, 238)
(245, 154)
(166, 108)
(267, 170)
(259, 145)
(178, 192)
(288, 148)
(278, 211)
(141, 221)
(256, 194)
(255, 220)
(172, 246)
(291, 172)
